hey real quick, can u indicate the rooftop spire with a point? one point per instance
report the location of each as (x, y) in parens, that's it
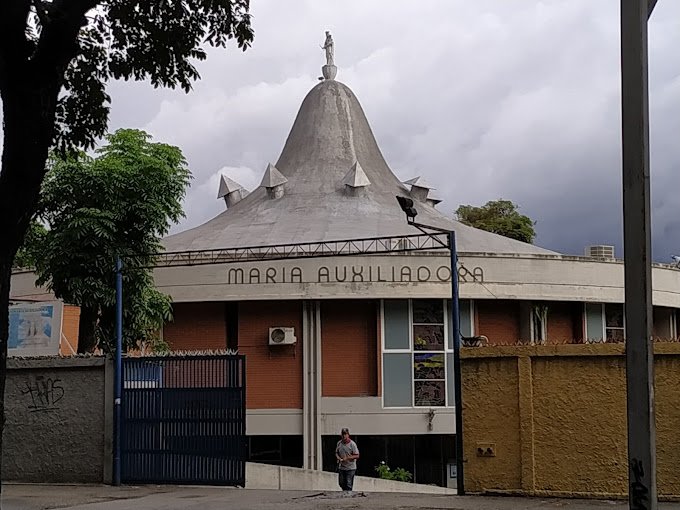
(330, 134)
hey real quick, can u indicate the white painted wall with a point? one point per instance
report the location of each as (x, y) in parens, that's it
(365, 415)
(534, 277)
(273, 422)
(504, 277)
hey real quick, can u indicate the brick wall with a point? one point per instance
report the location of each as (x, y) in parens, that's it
(69, 328)
(498, 320)
(378, 343)
(661, 327)
(196, 326)
(564, 322)
(349, 348)
(274, 374)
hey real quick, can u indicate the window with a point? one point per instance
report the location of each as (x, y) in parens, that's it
(418, 351)
(539, 322)
(429, 364)
(605, 322)
(614, 322)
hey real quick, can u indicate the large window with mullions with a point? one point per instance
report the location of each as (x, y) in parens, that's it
(429, 352)
(418, 351)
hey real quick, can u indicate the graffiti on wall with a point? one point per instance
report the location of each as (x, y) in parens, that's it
(43, 394)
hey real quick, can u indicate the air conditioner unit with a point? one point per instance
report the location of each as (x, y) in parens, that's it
(282, 336)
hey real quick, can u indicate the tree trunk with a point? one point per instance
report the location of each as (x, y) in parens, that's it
(5, 274)
(31, 76)
(28, 115)
(88, 322)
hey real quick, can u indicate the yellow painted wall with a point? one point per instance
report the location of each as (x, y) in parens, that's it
(555, 417)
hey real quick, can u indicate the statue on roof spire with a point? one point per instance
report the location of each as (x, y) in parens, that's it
(330, 49)
(329, 71)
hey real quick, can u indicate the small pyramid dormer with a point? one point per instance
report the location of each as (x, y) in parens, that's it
(420, 188)
(356, 180)
(433, 200)
(273, 180)
(231, 191)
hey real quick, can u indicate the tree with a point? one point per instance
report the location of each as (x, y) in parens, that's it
(119, 203)
(29, 252)
(56, 57)
(500, 217)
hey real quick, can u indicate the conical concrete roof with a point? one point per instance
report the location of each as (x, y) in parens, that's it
(329, 136)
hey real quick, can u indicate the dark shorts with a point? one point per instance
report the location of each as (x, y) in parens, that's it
(346, 478)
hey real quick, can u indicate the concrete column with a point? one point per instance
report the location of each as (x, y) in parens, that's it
(108, 421)
(526, 423)
(311, 379)
(317, 397)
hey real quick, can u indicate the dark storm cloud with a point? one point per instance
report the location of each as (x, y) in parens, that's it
(494, 98)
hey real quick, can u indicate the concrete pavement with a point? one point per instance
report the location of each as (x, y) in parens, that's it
(82, 497)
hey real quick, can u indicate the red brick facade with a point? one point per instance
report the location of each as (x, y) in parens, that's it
(274, 374)
(565, 322)
(349, 348)
(196, 326)
(350, 341)
(70, 324)
(498, 320)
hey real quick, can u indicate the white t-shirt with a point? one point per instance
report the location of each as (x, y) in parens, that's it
(344, 450)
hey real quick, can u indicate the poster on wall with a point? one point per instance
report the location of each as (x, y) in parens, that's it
(35, 329)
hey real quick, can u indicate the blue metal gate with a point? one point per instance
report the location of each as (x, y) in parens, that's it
(184, 420)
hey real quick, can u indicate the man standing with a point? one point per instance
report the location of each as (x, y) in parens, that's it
(346, 454)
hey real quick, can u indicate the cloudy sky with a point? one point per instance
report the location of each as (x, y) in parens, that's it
(517, 99)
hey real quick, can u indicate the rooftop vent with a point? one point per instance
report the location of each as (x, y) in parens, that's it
(355, 180)
(600, 251)
(231, 191)
(419, 188)
(433, 201)
(273, 180)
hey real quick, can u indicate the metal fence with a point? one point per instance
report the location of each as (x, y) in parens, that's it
(184, 420)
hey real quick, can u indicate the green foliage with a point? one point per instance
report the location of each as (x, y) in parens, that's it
(119, 203)
(153, 40)
(399, 474)
(500, 217)
(28, 253)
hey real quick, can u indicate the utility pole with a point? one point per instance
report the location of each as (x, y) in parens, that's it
(118, 374)
(642, 493)
(407, 205)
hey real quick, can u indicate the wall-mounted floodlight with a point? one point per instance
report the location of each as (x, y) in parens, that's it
(407, 206)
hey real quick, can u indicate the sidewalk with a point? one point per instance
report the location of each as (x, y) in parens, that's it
(80, 497)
